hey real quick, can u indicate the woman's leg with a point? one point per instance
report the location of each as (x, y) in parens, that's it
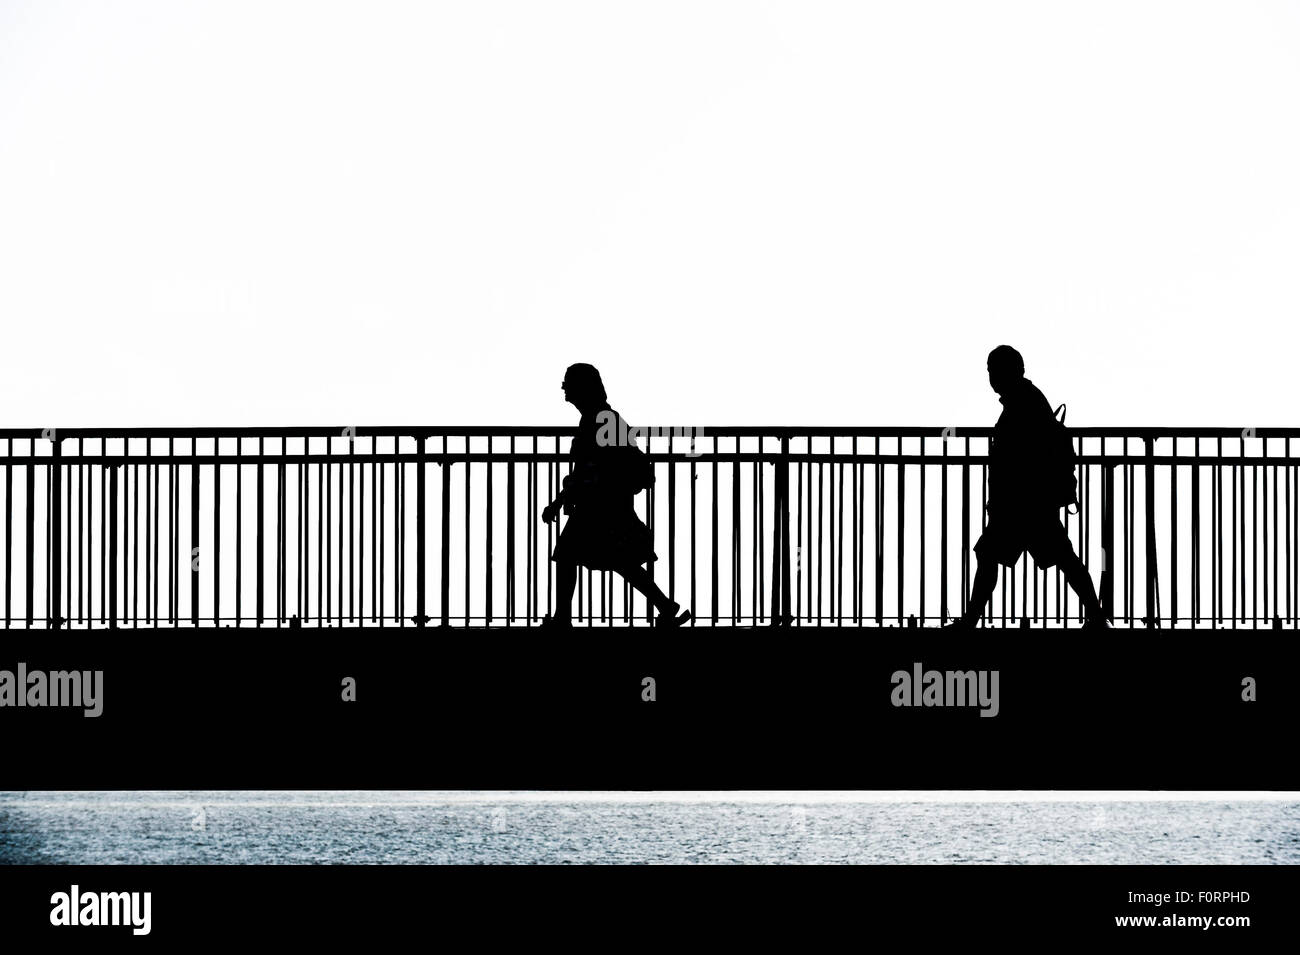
(566, 581)
(640, 578)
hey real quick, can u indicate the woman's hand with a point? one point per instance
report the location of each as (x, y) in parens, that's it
(551, 512)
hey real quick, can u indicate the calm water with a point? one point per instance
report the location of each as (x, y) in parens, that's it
(443, 827)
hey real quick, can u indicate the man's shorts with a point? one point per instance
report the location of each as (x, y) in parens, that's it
(1009, 535)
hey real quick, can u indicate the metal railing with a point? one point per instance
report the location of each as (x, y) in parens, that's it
(802, 526)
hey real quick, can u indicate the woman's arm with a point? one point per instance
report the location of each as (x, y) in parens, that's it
(552, 511)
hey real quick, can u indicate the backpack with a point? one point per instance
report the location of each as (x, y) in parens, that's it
(1061, 480)
(637, 470)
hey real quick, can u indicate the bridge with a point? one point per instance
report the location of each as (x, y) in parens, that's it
(754, 526)
(380, 590)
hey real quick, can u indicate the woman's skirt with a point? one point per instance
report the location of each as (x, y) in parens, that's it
(604, 539)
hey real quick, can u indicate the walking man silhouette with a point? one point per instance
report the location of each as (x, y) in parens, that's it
(603, 531)
(1023, 502)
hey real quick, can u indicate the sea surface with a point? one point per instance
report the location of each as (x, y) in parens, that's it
(646, 827)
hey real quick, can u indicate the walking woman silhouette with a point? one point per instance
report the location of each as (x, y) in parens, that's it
(602, 531)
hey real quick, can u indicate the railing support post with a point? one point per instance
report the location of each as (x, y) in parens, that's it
(56, 534)
(420, 617)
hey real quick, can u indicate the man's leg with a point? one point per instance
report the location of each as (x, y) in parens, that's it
(986, 578)
(1076, 575)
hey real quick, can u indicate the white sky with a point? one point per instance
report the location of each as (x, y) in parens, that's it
(788, 212)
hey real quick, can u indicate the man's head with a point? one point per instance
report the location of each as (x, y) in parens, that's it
(1006, 368)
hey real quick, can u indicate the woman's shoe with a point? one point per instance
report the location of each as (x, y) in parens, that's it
(673, 620)
(556, 623)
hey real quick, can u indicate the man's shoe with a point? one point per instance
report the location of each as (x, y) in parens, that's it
(1096, 623)
(556, 623)
(959, 625)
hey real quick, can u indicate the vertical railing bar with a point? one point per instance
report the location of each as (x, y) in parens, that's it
(694, 607)
(324, 535)
(51, 544)
(943, 534)
(901, 530)
(29, 537)
(530, 535)
(510, 535)
(798, 543)
(879, 542)
(469, 474)
(839, 549)
(830, 530)
(173, 535)
(1277, 602)
(1196, 533)
(921, 507)
(965, 527)
(103, 481)
(260, 537)
(195, 543)
(111, 506)
(135, 543)
(488, 555)
(216, 536)
(1214, 543)
(1107, 536)
(444, 585)
(9, 537)
(421, 527)
(487, 541)
(378, 532)
(735, 539)
(1254, 542)
(281, 535)
(374, 556)
(239, 530)
(672, 526)
(857, 524)
(1082, 528)
(1232, 527)
(399, 537)
(1217, 545)
(821, 535)
(1173, 535)
(80, 614)
(399, 574)
(341, 535)
(321, 523)
(756, 538)
(148, 533)
(1150, 479)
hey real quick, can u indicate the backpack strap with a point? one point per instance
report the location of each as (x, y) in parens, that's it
(1059, 413)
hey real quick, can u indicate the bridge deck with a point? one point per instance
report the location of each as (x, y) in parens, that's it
(744, 708)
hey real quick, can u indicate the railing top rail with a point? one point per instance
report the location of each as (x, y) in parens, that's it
(700, 431)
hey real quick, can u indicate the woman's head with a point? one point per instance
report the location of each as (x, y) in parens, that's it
(583, 387)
